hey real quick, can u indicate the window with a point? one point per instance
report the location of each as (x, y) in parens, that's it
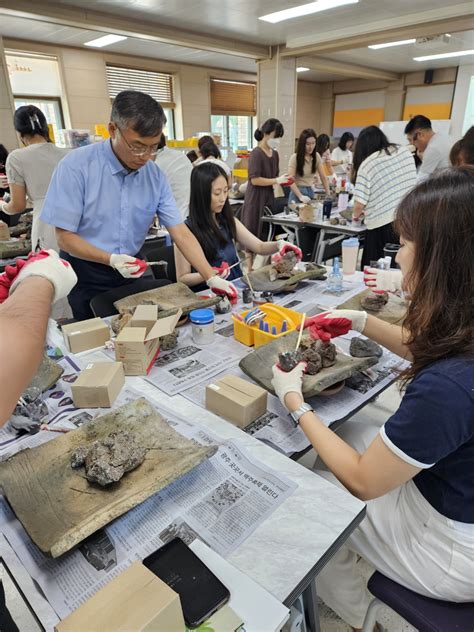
(236, 131)
(51, 108)
(233, 108)
(157, 84)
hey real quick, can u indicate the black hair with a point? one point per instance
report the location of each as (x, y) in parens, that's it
(322, 143)
(209, 149)
(162, 142)
(30, 121)
(192, 156)
(138, 111)
(370, 140)
(301, 151)
(417, 122)
(345, 138)
(3, 156)
(462, 152)
(271, 125)
(205, 139)
(202, 221)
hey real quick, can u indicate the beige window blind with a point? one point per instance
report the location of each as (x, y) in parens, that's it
(157, 84)
(233, 97)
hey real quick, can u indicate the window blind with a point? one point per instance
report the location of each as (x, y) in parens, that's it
(157, 84)
(233, 98)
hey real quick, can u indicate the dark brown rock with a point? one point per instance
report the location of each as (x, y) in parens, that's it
(288, 360)
(365, 348)
(374, 302)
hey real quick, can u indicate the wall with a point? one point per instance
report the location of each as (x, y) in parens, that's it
(86, 101)
(353, 112)
(8, 137)
(463, 103)
(308, 106)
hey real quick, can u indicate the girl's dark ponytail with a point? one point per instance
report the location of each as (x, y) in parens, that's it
(258, 134)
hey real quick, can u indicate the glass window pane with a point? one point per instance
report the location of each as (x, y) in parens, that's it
(169, 127)
(50, 107)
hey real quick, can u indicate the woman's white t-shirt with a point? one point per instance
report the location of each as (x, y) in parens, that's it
(341, 154)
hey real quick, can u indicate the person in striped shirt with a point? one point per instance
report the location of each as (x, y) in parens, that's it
(382, 173)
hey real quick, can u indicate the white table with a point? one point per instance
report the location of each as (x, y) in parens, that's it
(338, 231)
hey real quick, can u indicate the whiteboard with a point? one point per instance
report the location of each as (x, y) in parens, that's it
(395, 134)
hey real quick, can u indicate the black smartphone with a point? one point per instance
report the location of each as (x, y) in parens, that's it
(200, 591)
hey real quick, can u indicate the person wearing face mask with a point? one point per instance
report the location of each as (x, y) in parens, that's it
(263, 174)
(303, 167)
(416, 471)
(212, 222)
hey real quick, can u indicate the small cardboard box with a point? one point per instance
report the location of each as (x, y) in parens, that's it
(237, 400)
(144, 316)
(86, 334)
(137, 349)
(98, 385)
(135, 600)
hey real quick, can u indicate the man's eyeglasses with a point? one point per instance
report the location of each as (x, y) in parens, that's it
(142, 150)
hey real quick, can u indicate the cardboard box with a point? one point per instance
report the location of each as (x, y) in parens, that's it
(237, 400)
(85, 334)
(98, 385)
(135, 600)
(137, 349)
(144, 316)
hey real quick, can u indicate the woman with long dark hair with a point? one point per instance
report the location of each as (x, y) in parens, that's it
(29, 172)
(263, 174)
(212, 222)
(382, 173)
(341, 156)
(416, 471)
(304, 166)
(323, 143)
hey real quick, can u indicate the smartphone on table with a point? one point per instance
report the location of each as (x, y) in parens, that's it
(200, 591)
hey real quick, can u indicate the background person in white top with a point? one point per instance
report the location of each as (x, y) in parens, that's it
(209, 152)
(341, 156)
(382, 173)
(433, 147)
(177, 169)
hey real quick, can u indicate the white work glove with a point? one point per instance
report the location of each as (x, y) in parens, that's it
(283, 248)
(346, 161)
(291, 382)
(283, 178)
(358, 319)
(386, 280)
(305, 199)
(48, 265)
(129, 267)
(220, 287)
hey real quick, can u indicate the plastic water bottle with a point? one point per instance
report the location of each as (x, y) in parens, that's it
(335, 277)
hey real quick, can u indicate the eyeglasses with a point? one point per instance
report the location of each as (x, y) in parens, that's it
(140, 151)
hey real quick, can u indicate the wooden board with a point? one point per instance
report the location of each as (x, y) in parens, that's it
(168, 298)
(258, 366)
(260, 278)
(58, 507)
(393, 312)
(47, 375)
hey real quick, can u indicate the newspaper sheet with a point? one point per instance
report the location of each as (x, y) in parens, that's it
(223, 500)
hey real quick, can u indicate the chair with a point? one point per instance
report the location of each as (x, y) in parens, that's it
(103, 304)
(163, 253)
(424, 613)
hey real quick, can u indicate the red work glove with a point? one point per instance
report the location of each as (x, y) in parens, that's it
(223, 270)
(324, 328)
(283, 248)
(221, 286)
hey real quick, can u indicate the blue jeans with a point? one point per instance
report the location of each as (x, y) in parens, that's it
(304, 191)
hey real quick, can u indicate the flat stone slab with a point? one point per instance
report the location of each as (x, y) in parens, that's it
(258, 366)
(10, 249)
(393, 312)
(59, 508)
(168, 298)
(260, 279)
(47, 375)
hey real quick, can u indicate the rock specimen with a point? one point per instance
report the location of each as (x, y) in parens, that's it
(223, 306)
(119, 322)
(283, 268)
(170, 341)
(316, 353)
(334, 221)
(288, 360)
(346, 214)
(364, 348)
(374, 302)
(108, 460)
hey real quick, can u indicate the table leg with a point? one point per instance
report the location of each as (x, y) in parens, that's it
(321, 247)
(310, 602)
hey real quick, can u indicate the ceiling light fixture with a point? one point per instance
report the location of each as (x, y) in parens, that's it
(388, 44)
(106, 40)
(301, 69)
(305, 9)
(459, 53)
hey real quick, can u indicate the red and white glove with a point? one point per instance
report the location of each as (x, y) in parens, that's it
(46, 264)
(383, 280)
(283, 248)
(357, 318)
(129, 267)
(220, 287)
(326, 326)
(223, 270)
(290, 382)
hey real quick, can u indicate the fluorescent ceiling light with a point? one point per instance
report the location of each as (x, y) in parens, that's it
(106, 40)
(301, 69)
(305, 9)
(399, 43)
(459, 53)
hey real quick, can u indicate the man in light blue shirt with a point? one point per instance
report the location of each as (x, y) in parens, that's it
(103, 198)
